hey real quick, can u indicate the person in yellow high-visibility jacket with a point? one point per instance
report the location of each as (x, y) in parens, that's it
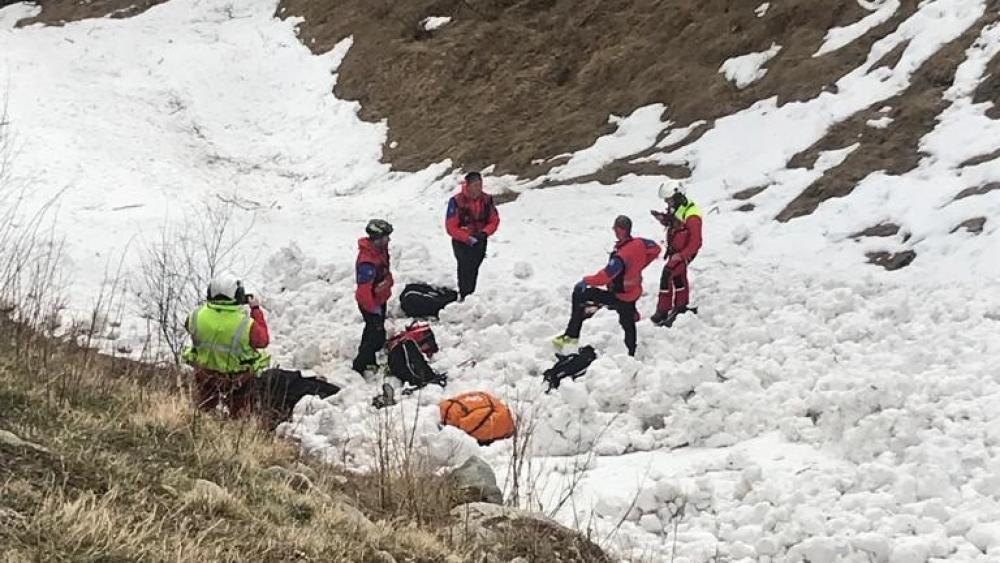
(226, 344)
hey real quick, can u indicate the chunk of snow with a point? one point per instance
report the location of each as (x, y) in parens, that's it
(839, 37)
(651, 523)
(747, 69)
(910, 550)
(308, 356)
(761, 10)
(874, 543)
(435, 22)
(523, 270)
(985, 535)
(880, 123)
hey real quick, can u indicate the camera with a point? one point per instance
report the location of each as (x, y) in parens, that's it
(242, 297)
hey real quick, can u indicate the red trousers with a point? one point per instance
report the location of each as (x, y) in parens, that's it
(674, 289)
(234, 390)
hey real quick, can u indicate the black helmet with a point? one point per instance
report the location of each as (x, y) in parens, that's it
(378, 228)
(624, 223)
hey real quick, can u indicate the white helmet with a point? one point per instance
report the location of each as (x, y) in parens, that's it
(224, 287)
(670, 186)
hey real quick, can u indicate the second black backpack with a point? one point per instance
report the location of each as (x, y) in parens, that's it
(569, 365)
(424, 300)
(408, 363)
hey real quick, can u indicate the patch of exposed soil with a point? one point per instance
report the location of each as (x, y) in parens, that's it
(510, 81)
(989, 89)
(59, 12)
(892, 260)
(974, 225)
(894, 149)
(880, 230)
(610, 173)
(981, 159)
(969, 192)
(748, 193)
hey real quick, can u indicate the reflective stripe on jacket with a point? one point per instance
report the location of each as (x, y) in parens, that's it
(220, 340)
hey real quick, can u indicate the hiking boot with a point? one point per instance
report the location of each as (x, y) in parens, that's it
(386, 399)
(562, 341)
(366, 371)
(667, 318)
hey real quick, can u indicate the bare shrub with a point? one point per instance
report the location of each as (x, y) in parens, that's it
(31, 254)
(175, 270)
(403, 482)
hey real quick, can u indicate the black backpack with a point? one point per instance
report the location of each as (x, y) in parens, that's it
(569, 365)
(408, 364)
(423, 300)
(278, 390)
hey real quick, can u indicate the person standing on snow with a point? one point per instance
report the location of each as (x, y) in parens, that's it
(374, 289)
(623, 279)
(226, 344)
(683, 222)
(472, 218)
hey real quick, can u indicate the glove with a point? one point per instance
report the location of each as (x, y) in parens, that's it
(253, 301)
(473, 241)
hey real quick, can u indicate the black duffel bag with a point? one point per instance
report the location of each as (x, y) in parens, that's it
(425, 300)
(278, 390)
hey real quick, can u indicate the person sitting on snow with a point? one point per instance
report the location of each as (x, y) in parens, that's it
(683, 222)
(226, 344)
(374, 281)
(623, 279)
(472, 217)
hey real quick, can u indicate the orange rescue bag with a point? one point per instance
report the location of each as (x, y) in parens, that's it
(480, 415)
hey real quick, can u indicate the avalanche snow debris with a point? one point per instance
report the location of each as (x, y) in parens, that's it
(901, 367)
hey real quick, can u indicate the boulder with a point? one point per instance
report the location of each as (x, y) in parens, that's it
(297, 481)
(476, 482)
(14, 441)
(514, 533)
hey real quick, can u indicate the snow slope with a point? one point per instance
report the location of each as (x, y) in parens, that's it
(817, 409)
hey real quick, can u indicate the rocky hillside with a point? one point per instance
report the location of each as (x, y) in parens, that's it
(520, 84)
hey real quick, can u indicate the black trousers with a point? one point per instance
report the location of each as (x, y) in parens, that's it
(469, 259)
(626, 313)
(372, 340)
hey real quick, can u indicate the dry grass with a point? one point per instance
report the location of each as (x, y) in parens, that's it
(130, 472)
(127, 470)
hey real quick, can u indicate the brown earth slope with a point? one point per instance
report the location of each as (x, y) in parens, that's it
(58, 12)
(510, 81)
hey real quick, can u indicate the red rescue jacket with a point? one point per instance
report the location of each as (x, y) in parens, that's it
(471, 217)
(259, 335)
(373, 276)
(623, 274)
(684, 236)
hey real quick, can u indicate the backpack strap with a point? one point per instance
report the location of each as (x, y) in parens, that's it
(493, 409)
